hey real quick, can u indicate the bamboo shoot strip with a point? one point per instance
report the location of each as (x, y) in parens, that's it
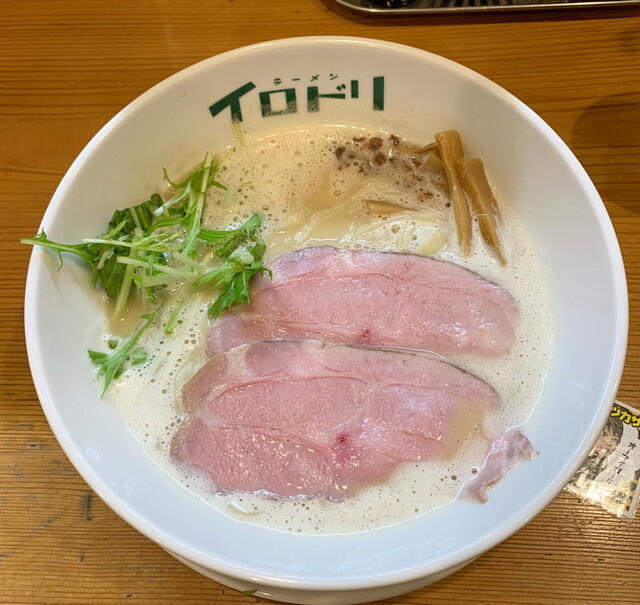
(450, 148)
(475, 184)
(386, 208)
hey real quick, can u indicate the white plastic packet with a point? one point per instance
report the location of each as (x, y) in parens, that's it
(610, 474)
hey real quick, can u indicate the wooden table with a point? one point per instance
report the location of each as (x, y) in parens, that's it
(67, 66)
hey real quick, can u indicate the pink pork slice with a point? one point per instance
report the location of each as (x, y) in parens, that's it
(305, 418)
(504, 453)
(374, 299)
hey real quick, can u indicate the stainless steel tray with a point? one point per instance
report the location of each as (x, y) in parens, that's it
(401, 7)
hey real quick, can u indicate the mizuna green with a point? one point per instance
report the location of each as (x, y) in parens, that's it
(159, 243)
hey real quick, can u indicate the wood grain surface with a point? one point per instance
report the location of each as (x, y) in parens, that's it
(67, 66)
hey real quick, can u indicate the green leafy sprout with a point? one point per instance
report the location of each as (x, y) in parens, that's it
(113, 366)
(161, 243)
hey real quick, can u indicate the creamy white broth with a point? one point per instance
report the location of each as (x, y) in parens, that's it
(294, 178)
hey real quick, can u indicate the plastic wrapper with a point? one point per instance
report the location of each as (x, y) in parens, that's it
(609, 476)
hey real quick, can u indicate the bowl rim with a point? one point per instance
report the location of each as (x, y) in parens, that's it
(460, 556)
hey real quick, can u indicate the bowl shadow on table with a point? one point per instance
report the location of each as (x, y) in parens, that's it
(611, 125)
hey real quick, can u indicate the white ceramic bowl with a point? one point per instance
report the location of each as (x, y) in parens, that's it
(420, 94)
